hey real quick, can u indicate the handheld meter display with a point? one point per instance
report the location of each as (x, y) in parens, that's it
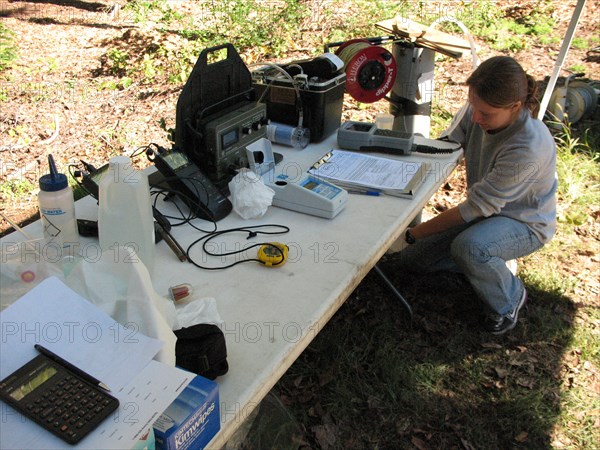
(367, 137)
(190, 184)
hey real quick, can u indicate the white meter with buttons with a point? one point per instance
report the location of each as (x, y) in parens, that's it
(308, 195)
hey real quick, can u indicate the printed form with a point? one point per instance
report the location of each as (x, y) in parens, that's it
(357, 170)
(55, 316)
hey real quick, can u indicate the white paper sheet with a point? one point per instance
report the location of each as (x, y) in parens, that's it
(53, 315)
(56, 317)
(141, 402)
(357, 169)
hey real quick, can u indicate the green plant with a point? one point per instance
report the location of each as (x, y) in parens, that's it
(139, 10)
(149, 67)
(8, 52)
(578, 175)
(160, 11)
(577, 68)
(479, 18)
(503, 32)
(580, 43)
(15, 189)
(178, 62)
(440, 120)
(508, 35)
(548, 40)
(119, 61)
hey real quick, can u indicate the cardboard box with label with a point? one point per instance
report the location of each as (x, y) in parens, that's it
(192, 420)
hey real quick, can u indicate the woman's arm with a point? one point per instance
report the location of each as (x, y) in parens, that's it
(442, 222)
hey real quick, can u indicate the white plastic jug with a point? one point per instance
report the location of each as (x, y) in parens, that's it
(125, 216)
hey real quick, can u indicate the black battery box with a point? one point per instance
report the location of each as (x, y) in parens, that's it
(321, 100)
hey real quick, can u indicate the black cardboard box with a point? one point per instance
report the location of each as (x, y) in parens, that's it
(322, 101)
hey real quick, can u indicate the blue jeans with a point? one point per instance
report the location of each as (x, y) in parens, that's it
(479, 250)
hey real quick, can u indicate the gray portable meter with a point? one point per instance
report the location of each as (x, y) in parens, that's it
(366, 136)
(226, 135)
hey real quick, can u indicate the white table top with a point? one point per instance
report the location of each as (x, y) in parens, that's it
(271, 314)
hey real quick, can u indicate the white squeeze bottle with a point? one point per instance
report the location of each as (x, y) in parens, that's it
(57, 210)
(125, 213)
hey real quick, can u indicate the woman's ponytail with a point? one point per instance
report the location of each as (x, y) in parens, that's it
(532, 102)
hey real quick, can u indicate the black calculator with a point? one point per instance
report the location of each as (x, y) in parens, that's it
(56, 398)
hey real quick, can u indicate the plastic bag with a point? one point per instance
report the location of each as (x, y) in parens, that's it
(250, 197)
(25, 264)
(110, 280)
(119, 284)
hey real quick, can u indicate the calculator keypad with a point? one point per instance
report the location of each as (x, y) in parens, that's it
(66, 405)
(72, 406)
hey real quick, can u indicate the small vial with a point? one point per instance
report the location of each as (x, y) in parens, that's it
(180, 292)
(297, 137)
(384, 121)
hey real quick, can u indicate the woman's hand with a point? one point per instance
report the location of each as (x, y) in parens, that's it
(442, 222)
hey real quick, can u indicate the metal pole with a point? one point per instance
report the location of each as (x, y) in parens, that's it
(392, 288)
(561, 57)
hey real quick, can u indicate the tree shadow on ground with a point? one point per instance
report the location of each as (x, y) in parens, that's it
(79, 4)
(373, 379)
(67, 12)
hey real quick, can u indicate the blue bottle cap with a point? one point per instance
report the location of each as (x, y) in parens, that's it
(53, 181)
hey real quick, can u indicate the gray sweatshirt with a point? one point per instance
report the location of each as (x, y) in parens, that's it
(511, 173)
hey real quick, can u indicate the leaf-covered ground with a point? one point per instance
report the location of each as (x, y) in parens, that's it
(64, 96)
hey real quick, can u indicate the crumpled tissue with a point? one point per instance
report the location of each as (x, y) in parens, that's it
(250, 196)
(203, 310)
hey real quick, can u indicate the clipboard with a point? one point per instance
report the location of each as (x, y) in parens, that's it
(321, 161)
(364, 173)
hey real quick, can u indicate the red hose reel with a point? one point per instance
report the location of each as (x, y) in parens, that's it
(370, 69)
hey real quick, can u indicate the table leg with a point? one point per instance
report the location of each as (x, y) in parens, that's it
(389, 284)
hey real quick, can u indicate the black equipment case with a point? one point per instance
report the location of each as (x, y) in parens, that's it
(321, 101)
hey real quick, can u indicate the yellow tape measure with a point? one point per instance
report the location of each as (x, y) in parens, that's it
(273, 254)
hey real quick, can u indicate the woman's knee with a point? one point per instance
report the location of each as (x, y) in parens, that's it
(467, 251)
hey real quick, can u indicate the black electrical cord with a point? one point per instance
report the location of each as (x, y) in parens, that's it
(183, 218)
(198, 206)
(143, 149)
(252, 231)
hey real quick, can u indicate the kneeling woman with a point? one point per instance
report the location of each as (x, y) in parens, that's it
(510, 208)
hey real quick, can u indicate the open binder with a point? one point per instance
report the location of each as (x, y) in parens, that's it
(359, 172)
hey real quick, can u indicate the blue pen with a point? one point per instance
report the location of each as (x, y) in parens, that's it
(371, 193)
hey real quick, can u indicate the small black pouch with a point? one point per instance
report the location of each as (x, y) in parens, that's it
(201, 349)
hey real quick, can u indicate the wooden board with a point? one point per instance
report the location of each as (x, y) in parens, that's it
(439, 41)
